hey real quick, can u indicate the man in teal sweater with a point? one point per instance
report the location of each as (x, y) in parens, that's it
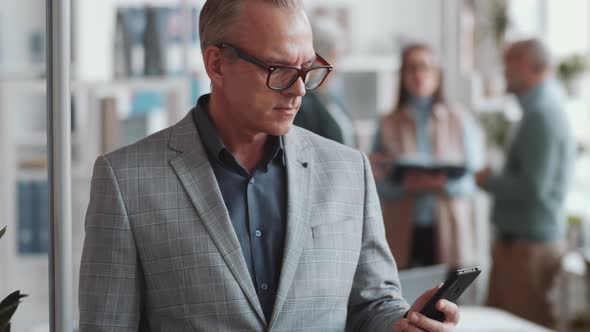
(530, 191)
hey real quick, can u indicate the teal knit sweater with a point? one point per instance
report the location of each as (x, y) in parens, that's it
(530, 192)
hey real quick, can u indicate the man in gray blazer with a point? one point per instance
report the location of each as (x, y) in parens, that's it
(233, 219)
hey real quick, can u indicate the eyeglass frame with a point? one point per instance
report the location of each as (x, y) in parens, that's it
(302, 72)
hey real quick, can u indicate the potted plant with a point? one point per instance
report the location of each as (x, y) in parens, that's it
(570, 69)
(489, 36)
(496, 127)
(9, 304)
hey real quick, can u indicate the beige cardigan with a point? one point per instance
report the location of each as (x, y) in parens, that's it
(453, 225)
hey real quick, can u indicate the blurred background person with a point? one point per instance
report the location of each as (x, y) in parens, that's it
(529, 193)
(323, 111)
(427, 216)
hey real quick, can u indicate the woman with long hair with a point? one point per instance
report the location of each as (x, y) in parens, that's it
(427, 214)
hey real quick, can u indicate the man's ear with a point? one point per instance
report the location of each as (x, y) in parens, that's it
(213, 60)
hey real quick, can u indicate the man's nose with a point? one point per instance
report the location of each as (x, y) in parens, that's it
(297, 89)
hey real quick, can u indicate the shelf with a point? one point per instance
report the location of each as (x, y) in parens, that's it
(32, 85)
(147, 83)
(27, 70)
(33, 140)
(155, 3)
(377, 63)
(38, 85)
(78, 172)
(35, 174)
(158, 83)
(39, 140)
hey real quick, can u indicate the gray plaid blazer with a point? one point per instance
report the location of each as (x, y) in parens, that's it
(161, 254)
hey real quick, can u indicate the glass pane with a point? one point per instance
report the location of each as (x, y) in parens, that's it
(24, 195)
(282, 77)
(315, 77)
(140, 74)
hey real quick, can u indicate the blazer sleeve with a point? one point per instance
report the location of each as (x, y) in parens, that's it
(111, 280)
(376, 301)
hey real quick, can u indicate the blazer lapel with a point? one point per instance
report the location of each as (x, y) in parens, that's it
(196, 175)
(299, 168)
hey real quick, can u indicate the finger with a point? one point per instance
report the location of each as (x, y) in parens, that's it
(401, 326)
(423, 323)
(433, 290)
(423, 299)
(450, 310)
(409, 327)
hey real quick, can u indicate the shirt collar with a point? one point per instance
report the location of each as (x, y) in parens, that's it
(422, 103)
(532, 96)
(425, 109)
(214, 144)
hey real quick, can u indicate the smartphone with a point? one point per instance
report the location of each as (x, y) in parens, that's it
(451, 289)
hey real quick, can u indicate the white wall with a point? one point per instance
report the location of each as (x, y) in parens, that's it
(419, 20)
(94, 24)
(379, 25)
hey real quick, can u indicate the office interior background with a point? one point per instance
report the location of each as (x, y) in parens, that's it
(137, 68)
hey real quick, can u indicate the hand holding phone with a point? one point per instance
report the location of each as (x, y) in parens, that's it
(450, 290)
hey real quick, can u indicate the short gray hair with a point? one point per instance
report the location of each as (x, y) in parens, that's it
(217, 15)
(327, 35)
(538, 53)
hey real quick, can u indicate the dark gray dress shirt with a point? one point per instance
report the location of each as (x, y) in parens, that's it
(256, 203)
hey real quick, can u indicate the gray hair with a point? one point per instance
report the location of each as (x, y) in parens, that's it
(327, 36)
(537, 52)
(217, 15)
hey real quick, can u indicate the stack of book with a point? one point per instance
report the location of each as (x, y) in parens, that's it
(33, 217)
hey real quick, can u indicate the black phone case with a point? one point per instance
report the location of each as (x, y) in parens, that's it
(452, 288)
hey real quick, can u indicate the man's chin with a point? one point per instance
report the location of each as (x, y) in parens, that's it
(281, 130)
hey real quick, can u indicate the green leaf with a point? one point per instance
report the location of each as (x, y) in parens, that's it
(5, 328)
(6, 315)
(2, 232)
(12, 298)
(8, 308)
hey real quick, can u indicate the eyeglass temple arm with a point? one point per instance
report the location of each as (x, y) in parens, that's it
(322, 61)
(245, 56)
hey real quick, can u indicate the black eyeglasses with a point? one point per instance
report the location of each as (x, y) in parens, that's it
(283, 77)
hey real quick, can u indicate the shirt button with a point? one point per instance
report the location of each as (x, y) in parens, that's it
(252, 181)
(264, 286)
(258, 233)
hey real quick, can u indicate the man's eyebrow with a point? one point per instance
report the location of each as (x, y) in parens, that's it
(311, 60)
(279, 62)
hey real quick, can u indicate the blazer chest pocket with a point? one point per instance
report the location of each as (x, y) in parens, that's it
(345, 234)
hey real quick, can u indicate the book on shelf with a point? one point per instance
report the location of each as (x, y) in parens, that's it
(149, 40)
(111, 126)
(139, 126)
(33, 217)
(36, 163)
(146, 117)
